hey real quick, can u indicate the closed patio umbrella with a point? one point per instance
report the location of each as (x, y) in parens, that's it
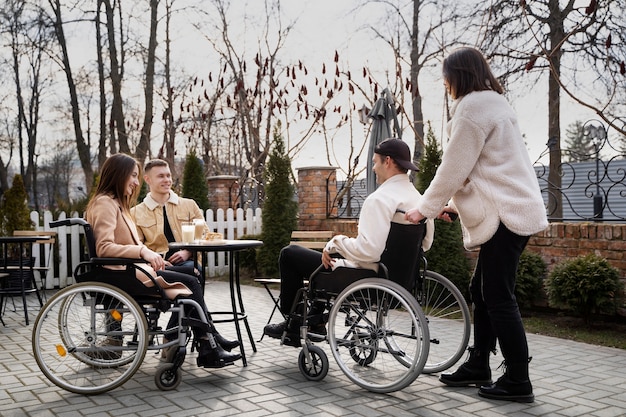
(382, 114)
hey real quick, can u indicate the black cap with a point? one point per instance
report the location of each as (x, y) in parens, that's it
(398, 151)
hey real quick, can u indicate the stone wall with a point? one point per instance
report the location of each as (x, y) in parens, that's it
(561, 241)
(223, 191)
(316, 186)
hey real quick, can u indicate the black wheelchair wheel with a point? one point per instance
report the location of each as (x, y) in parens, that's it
(168, 377)
(363, 349)
(313, 366)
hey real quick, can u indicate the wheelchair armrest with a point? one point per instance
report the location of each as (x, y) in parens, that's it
(129, 262)
(116, 261)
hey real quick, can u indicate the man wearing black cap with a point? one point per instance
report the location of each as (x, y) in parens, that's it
(395, 195)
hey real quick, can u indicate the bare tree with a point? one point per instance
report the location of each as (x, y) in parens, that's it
(144, 142)
(563, 39)
(56, 175)
(7, 142)
(237, 106)
(119, 136)
(167, 150)
(81, 145)
(418, 33)
(28, 39)
(102, 148)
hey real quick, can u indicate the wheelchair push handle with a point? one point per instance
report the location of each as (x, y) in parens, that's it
(69, 222)
(404, 212)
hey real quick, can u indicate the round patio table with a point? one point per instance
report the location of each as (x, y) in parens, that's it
(233, 248)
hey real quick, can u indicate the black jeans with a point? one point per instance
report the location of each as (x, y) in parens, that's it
(191, 282)
(496, 313)
(295, 264)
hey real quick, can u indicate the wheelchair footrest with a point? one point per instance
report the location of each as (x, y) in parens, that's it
(191, 322)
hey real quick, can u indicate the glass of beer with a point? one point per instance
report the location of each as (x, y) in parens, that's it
(188, 232)
(199, 226)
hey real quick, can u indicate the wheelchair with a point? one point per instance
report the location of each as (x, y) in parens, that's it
(384, 329)
(92, 336)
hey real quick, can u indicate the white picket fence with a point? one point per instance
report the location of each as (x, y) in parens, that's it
(231, 223)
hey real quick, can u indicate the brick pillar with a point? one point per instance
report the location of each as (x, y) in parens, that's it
(223, 191)
(317, 187)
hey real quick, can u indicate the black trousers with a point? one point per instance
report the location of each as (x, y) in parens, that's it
(295, 264)
(192, 282)
(496, 313)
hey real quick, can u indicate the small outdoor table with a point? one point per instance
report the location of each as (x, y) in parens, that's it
(233, 247)
(24, 267)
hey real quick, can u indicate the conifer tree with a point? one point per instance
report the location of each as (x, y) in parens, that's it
(446, 256)
(280, 208)
(14, 211)
(194, 182)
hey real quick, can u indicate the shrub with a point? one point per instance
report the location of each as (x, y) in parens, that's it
(531, 273)
(280, 210)
(248, 257)
(14, 212)
(194, 182)
(585, 285)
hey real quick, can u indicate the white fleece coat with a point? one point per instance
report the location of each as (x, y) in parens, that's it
(486, 170)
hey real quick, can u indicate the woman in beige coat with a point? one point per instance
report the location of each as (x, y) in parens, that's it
(487, 178)
(116, 236)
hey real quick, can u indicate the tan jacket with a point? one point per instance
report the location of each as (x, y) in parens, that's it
(148, 216)
(116, 237)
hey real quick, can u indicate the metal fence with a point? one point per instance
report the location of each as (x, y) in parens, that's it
(589, 184)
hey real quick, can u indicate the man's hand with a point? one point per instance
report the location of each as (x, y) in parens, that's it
(327, 260)
(413, 216)
(180, 256)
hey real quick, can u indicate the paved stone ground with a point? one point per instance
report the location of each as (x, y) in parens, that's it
(569, 378)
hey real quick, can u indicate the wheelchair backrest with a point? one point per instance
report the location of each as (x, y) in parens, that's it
(403, 251)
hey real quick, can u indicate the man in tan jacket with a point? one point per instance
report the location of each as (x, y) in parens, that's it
(159, 217)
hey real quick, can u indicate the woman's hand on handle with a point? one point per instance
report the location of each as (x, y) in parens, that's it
(448, 215)
(413, 216)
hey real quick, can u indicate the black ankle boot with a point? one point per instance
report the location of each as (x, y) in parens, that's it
(212, 355)
(228, 345)
(475, 371)
(514, 385)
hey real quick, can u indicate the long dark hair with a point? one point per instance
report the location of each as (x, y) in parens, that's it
(466, 70)
(113, 177)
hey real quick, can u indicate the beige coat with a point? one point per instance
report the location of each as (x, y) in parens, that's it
(116, 237)
(487, 171)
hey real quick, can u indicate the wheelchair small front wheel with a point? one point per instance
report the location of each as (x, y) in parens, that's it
(314, 365)
(168, 377)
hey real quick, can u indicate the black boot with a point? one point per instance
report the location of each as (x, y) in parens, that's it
(226, 344)
(212, 355)
(514, 385)
(475, 371)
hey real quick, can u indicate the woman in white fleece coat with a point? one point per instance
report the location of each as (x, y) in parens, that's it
(487, 178)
